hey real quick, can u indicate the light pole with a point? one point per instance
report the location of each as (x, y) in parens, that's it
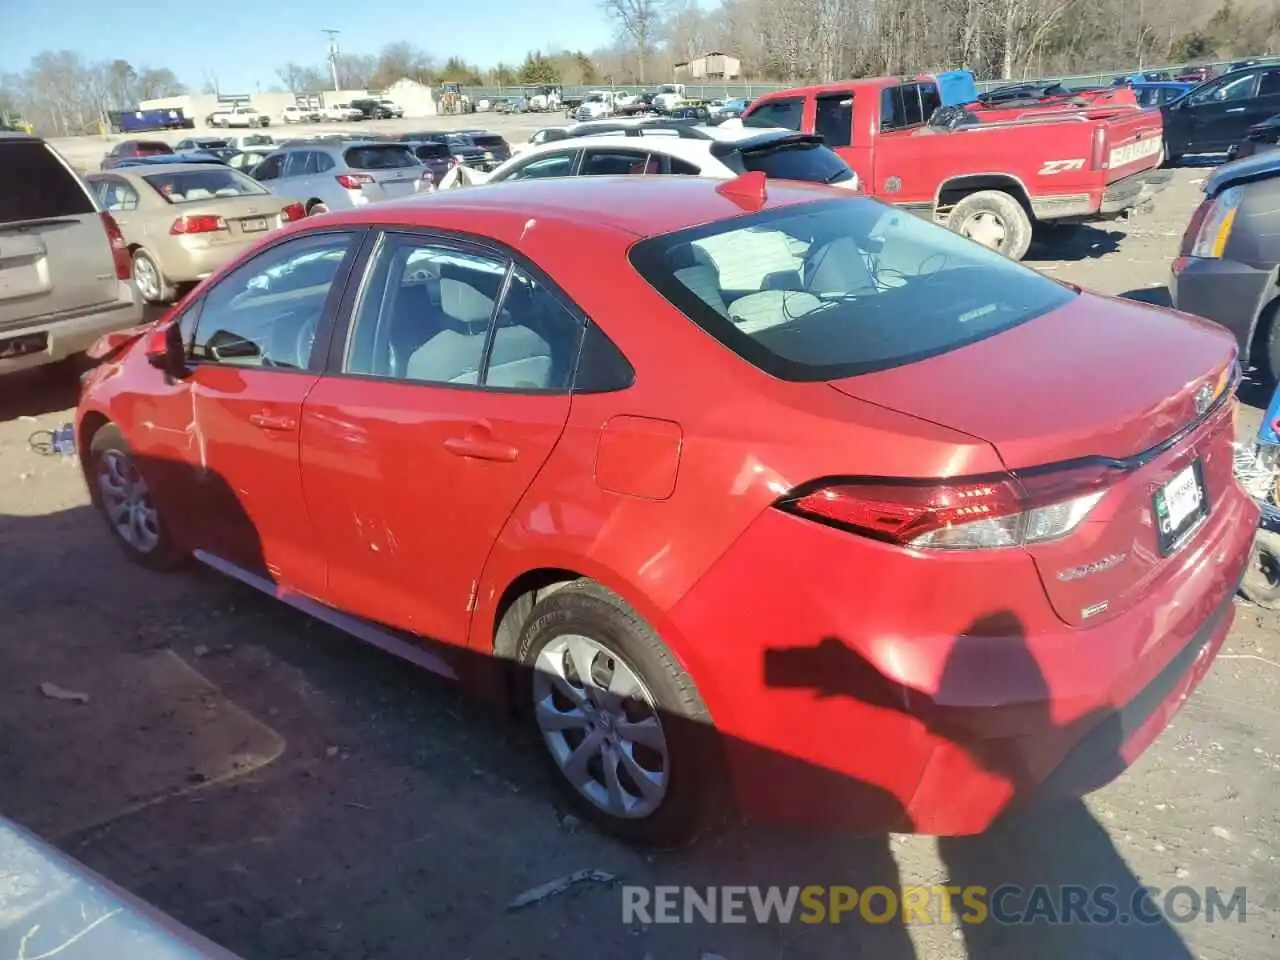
(333, 55)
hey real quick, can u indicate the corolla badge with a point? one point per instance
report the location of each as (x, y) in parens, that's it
(1204, 399)
(1088, 569)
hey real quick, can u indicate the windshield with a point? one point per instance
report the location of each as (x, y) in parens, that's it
(193, 185)
(595, 98)
(837, 288)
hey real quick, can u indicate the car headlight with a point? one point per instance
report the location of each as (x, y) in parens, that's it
(1210, 227)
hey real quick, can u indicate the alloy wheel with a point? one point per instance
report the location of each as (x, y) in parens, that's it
(147, 277)
(600, 723)
(127, 501)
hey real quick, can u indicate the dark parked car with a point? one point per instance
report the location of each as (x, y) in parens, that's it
(373, 110)
(1259, 138)
(694, 114)
(132, 149)
(493, 144)
(460, 146)
(435, 156)
(1214, 116)
(1158, 94)
(1226, 265)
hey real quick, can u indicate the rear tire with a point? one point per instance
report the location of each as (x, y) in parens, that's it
(1261, 584)
(995, 220)
(653, 726)
(150, 280)
(119, 491)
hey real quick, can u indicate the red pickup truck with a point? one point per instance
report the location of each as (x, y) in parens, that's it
(990, 178)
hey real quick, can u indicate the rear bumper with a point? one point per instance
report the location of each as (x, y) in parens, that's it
(856, 686)
(188, 264)
(1133, 191)
(1230, 294)
(50, 340)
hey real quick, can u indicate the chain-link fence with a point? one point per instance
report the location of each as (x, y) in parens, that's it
(730, 90)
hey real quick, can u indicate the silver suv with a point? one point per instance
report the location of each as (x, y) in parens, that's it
(326, 175)
(64, 267)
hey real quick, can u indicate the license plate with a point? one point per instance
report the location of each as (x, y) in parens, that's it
(1179, 505)
(1131, 152)
(255, 225)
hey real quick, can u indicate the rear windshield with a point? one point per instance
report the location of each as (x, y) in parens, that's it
(799, 161)
(486, 140)
(383, 156)
(48, 189)
(191, 186)
(837, 288)
(256, 140)
(431, 151)
(151, 148)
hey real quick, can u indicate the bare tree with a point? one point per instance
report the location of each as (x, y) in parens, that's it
(640, 21)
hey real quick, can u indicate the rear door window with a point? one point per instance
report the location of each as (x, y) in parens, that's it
(612, 163)
(60, 259)
(270, 168)
(787, 113)
(834, 118)
(905, 105)
(548, 165)
(299, 163)
(1270, 84)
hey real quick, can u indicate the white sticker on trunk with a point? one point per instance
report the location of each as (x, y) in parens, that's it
(1132, 152)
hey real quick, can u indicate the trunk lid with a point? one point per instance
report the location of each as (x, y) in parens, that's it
(1097, 378)
(55, 255)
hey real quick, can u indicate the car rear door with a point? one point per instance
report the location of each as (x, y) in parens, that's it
(437, 412)
(55, 255)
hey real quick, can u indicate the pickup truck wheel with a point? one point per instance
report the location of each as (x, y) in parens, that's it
(995, 220)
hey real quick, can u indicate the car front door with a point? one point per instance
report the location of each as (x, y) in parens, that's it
(252, 361)
(441, 405)
(1213, 118)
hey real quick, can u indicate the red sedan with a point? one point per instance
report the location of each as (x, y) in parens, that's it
(745, 484)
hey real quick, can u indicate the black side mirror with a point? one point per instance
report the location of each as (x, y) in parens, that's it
(225, 346)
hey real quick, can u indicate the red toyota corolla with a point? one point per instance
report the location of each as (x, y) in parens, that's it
(742, 483)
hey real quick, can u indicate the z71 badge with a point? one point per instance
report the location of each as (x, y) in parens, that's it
(1061, 166)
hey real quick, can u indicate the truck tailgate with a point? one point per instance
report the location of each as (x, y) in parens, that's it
(1135, 141)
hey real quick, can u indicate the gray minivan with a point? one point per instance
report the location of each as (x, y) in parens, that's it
(65, 270)
(324, 175)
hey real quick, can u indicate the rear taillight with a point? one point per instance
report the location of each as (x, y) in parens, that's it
(1210, 227)
(197, 223)
(353, 181)
(1098, 152)
(294, 211)
(119, 249)
(963, 514)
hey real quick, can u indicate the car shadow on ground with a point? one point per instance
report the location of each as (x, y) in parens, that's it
(398, 810)
(1072, 242)
(33, 393)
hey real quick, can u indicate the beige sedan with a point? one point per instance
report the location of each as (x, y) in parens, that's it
(182, 221)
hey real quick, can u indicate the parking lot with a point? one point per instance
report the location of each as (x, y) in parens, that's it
(291, 793)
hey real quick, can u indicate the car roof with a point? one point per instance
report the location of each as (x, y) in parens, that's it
(1260, 166)
(150, 169)
(639, 206)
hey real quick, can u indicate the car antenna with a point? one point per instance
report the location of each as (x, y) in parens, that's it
(747, 191)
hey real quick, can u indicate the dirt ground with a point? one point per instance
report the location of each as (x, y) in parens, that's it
(291, 793)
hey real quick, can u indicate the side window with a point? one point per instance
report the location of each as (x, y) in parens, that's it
(1229, 88)
(788, 113)
(550, 165)
(269, 169)
(535, 341)
(321, 162)
(1246, 88)
(299, 164)
(424, 312)
(610, 163)
(891, 109)
(674, 165)
(1270, 85)
(115, 196)
(267, 312)
(930, 100)
(912, 108)
(834, 118)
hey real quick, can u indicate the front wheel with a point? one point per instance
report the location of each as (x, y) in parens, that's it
(121, 494)
(622, 724)
(994, 219)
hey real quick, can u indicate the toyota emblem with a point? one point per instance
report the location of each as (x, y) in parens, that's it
(1204, 399)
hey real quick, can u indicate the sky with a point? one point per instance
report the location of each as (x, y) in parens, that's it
(243, 43)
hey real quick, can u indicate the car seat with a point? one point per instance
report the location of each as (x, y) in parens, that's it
(694, 268)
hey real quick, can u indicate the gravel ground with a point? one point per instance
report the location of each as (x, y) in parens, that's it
(291, 793)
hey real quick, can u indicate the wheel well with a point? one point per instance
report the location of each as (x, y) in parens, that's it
(516, 602)
(1261, 330)
(953, 191)
(89, 427)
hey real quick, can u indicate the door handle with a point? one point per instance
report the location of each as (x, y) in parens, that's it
(1235, 110)
(267, 422)
(477, 449)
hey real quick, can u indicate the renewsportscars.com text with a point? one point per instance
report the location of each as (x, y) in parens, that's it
(1007, 904)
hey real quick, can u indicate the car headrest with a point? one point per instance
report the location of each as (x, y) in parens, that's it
(463, 302)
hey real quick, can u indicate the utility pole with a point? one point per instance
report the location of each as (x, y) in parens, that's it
(333, 55)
